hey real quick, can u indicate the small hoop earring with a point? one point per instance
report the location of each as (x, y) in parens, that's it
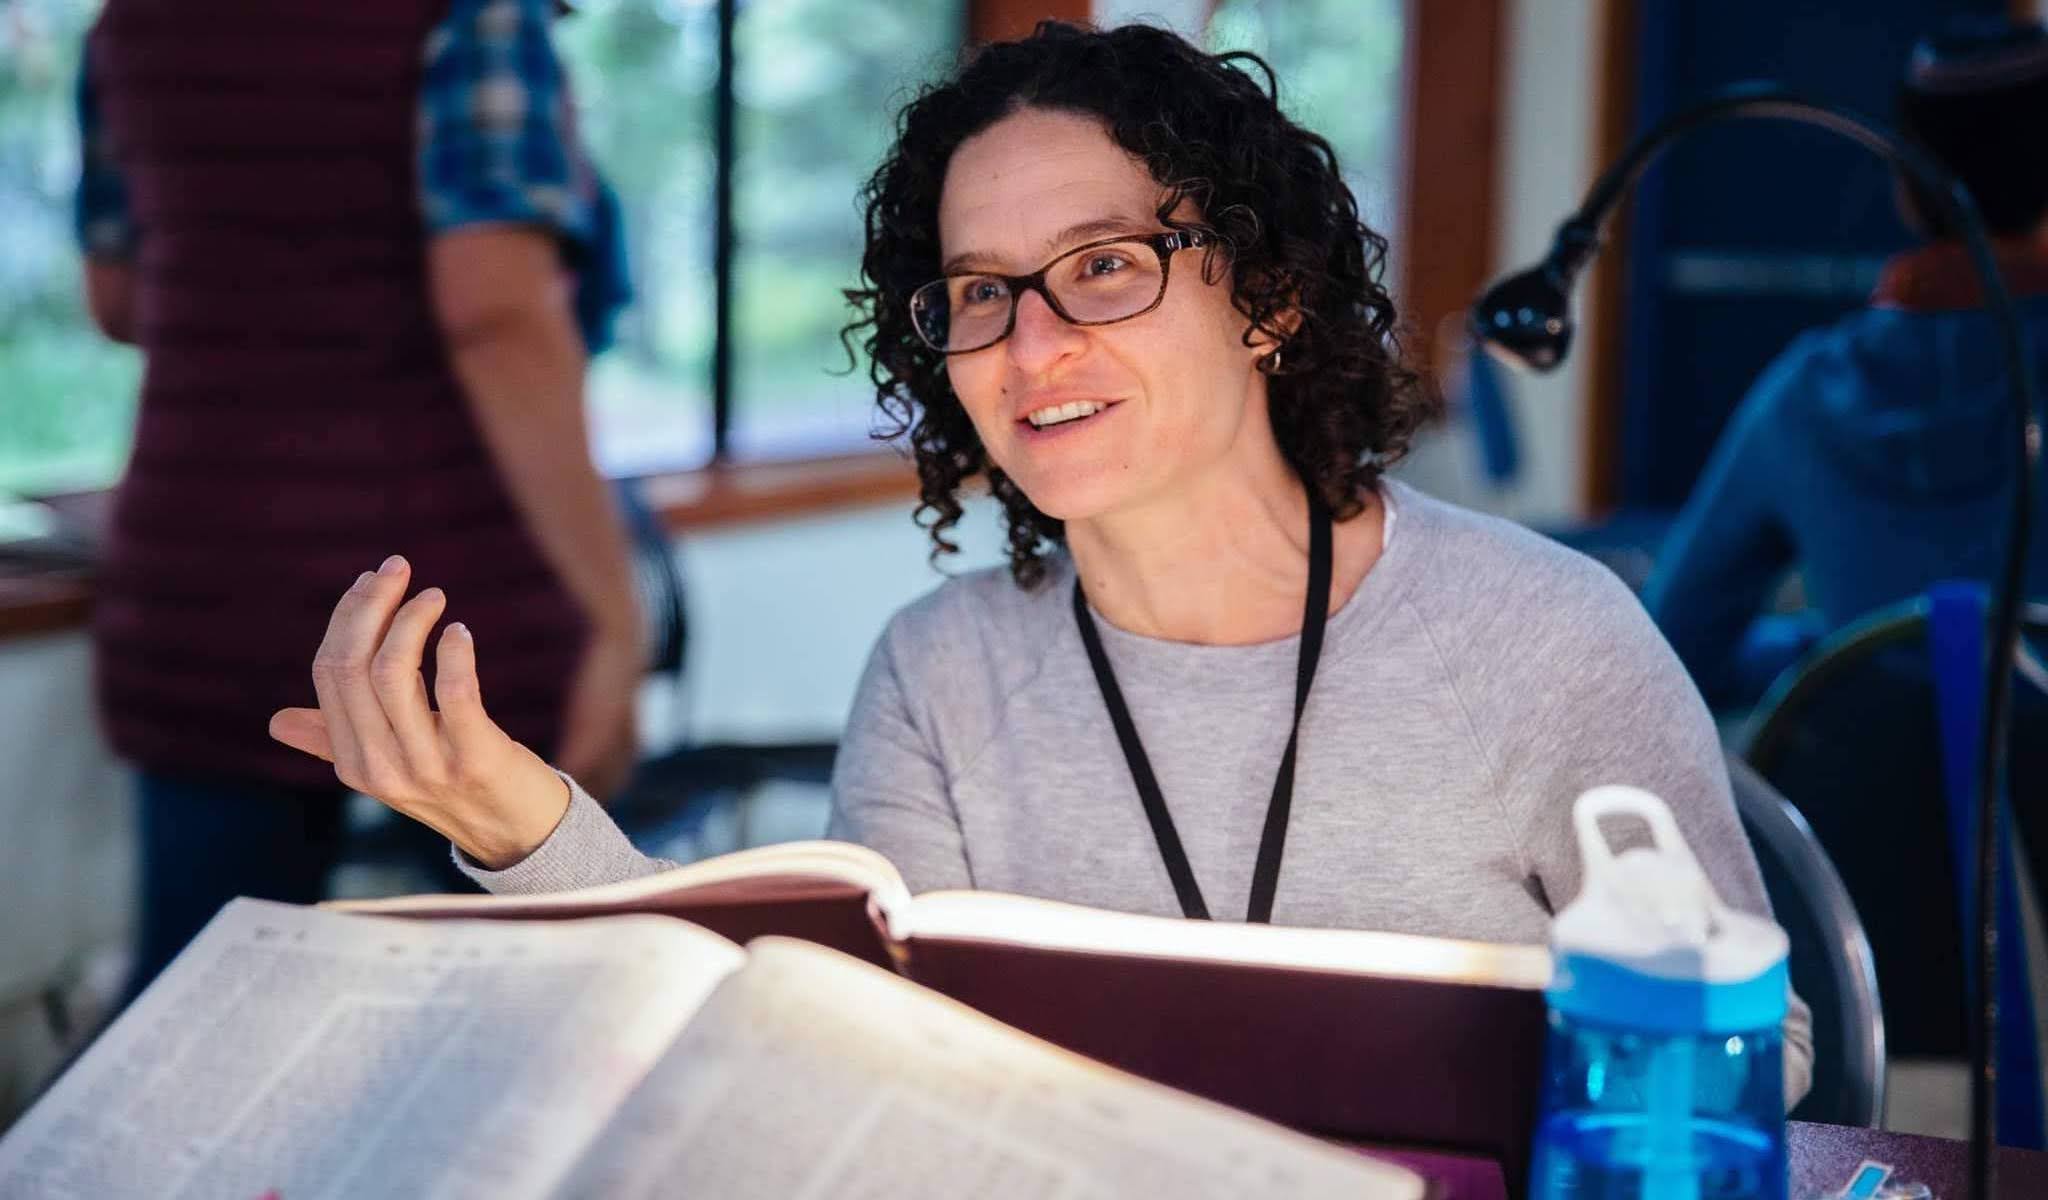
(1270, 364)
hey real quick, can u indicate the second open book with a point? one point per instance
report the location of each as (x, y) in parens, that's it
(1369, 1038)
(616, 1051)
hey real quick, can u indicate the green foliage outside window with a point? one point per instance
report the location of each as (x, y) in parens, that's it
(67, 395)
(1339, 64)
(817, 83)
(643, 73)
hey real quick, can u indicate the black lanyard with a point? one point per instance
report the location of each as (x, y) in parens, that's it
(1266, 873)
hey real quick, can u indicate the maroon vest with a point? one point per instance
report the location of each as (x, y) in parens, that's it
(299, 420)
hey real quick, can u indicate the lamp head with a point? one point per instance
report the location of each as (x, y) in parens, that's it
(1526, 319)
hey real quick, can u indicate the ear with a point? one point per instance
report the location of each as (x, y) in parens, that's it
(1265, 339)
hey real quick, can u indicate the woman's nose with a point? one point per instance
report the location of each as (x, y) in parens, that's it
(1040, 336)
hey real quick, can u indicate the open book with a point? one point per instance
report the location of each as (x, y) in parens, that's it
(295, 1053)
(1377, 1039)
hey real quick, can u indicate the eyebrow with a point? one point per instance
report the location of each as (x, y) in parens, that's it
(1100, 227)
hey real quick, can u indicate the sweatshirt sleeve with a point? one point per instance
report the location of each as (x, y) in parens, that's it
(586, 849)
(890, 790)
(1617, 708)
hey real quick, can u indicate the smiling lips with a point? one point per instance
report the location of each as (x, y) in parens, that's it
(1060, 414)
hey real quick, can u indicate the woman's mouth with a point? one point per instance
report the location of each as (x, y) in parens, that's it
(1058, 416)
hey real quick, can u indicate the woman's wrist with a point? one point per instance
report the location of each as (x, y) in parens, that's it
(525, 825)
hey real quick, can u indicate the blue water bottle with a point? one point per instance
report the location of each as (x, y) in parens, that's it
(1664, 1078)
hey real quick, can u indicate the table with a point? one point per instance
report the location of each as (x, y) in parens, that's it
(1822, 1158)
(1824, 1155)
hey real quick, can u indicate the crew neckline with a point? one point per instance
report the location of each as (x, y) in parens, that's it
(1253, 666)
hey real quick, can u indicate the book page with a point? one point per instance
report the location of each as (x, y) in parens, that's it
(1050, 925)
(765, 873)
(809, 1075)
(298, 1053)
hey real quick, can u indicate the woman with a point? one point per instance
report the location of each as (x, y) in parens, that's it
(1107, 275)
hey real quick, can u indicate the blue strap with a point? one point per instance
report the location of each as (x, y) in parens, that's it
(1487, 396)
(1956, 642)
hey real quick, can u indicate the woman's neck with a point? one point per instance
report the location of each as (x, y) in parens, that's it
(1221, 561)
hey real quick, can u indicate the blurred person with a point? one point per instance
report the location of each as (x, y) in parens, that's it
(353, 243)
(1874, 456)
(1107, 275)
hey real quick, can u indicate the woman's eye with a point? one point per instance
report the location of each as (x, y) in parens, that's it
(1105, 264)
(982, 291)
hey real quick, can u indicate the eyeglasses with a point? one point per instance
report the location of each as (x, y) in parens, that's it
(1100, 283)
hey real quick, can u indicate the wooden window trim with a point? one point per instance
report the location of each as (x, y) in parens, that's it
(47, 600)
(35, 603)
(733, 493)
(1450, 164)
(1007, 20)
(1606, 321)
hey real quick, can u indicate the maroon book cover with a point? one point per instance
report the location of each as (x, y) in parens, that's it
(822, 892)
(1375, 1061)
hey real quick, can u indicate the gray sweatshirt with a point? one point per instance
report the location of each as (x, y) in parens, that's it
(1477, 681)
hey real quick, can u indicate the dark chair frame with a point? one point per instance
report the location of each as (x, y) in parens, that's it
(1856, 1049)
(1766, 735)
(1770, 734)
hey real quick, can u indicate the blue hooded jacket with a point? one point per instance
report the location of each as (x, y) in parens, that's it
(1875, 455)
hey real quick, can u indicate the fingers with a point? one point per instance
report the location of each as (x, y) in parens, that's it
(366, 753)
(303, 729)
(402, 693)
(471, 732)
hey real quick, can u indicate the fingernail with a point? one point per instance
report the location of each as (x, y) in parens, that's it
(458, 629)
(391, 565)
(434, 593)
(364, 579)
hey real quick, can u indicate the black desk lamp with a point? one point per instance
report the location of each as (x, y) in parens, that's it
(1526, 319)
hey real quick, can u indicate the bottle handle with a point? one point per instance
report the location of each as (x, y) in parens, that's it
(1615, 800)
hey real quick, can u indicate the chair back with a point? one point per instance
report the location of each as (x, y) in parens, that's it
(1865, 736)
(658, 580)
(1831, 963)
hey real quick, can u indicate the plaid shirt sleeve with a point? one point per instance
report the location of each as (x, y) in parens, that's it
(497, 128)
(101, 218)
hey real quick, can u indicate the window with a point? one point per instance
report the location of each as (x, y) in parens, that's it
(67, 395)
(814, 88)
(645, 77)
(1339, 65)
(818, 83)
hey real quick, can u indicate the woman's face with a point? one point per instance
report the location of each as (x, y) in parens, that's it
(1177, 386)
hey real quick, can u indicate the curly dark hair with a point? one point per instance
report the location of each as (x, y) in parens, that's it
(1343, 406)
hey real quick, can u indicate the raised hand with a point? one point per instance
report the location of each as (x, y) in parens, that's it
(454, 769)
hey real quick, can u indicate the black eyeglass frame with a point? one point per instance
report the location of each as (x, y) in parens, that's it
(1165, 244)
